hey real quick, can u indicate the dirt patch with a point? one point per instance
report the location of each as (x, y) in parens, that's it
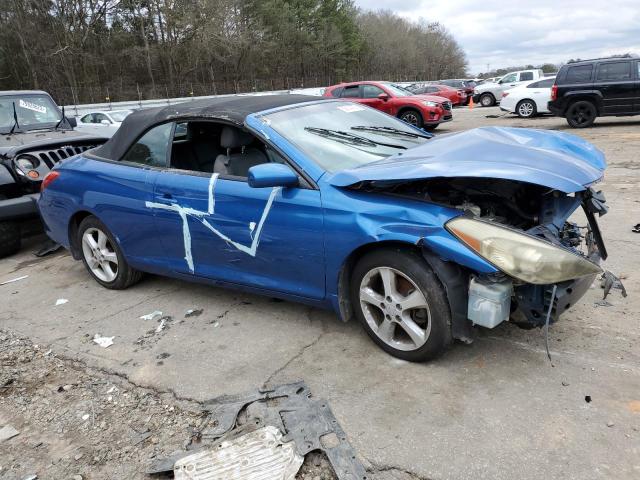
(78, 422)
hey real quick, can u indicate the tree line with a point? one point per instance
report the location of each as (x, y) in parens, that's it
(93, 50)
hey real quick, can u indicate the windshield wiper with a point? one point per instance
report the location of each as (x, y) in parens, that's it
(61, 119)
(15, 119)
(347, 137)
(373, 128)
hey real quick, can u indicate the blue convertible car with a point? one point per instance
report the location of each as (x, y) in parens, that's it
(337, 205)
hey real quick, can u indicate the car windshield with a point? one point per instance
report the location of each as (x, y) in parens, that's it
(338, 135)
(119, 115)
(397, 90)
(33, 112)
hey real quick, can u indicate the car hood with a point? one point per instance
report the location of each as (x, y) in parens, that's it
(556, 160)
(9, 144)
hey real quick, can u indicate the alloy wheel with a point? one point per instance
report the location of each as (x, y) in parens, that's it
(411, 118)
(581, 114)
(395, 308)
(486, 101)
(525, 109)
(100, 254)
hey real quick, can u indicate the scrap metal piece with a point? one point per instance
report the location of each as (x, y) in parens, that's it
(305, 421)
(258, 455)
(608, 281)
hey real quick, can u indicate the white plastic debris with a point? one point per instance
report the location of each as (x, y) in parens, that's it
(14, 279)
(7, 432)
(151, 316)
(258, 454)
(61, 301)
(161, 325)
(104, 342)
(112, 389)
(85, 416)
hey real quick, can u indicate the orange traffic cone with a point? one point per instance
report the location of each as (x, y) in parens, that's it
(471, 103)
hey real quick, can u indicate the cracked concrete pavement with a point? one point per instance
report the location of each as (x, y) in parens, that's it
(496, 409)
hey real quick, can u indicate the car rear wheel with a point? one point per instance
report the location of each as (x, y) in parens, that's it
(412, 117)
(102, 256)
(581, 114)
(487, 100)
(401, 304)
(526, 109)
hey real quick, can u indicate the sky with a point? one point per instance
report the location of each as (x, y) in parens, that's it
(503, 33)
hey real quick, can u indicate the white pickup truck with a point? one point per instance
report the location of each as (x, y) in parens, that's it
(489, 94)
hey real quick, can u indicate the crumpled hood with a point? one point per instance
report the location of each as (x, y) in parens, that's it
(553, 159)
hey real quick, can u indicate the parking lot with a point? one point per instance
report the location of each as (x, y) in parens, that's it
(496, 409)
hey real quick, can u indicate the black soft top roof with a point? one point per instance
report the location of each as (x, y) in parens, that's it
(232, 109)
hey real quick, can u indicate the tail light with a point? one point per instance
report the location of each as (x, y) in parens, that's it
(554, 92)
(51, 176)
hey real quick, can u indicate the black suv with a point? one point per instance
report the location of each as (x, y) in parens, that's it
(34, 136)
(602, 87)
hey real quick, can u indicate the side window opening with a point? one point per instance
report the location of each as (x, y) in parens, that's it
(211, 147)
(371, 91)
(614, 71)
(579, 74)
(525, 76)
(352, 91)
(151, 148)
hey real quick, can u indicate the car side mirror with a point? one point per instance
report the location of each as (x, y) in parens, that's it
(73, 123)
(272, 175)
(383, 96)
(105, 122)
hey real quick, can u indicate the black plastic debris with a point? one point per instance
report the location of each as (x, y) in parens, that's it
(587, 398)
(636, 228)
(608, 281)
(300, 417)
(48, 247)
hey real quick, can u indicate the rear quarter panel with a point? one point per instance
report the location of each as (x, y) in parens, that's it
(115, 193)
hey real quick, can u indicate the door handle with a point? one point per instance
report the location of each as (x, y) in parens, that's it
(166, 197)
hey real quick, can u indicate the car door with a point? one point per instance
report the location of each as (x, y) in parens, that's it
(119, 192)
(217, 227)
(371, 97)
(616, 81)
(540, 92)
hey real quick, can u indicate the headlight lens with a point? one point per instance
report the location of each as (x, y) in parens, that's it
(520, 255)
(429, 103)
(26, 163)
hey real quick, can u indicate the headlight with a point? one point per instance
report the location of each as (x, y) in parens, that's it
(26, 163)
(519, 255)
(429, 103)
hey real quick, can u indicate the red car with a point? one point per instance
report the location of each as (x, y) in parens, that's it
(422, 111)
(456, 96)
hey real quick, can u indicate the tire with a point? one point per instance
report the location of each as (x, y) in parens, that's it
(431, 128)
(414, 283)
(581, 114)
(487, 100)
(103, 258)
(412, 117)
(526, 108)
(10, 236)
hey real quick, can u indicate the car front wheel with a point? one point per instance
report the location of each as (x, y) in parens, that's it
(401, 304)
(412, 117)
(487, 100)
(102, 256)
(581, 114)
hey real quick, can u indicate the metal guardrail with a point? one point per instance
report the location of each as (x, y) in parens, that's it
(80, 110)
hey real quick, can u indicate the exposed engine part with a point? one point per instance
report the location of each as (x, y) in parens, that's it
(489, 301)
